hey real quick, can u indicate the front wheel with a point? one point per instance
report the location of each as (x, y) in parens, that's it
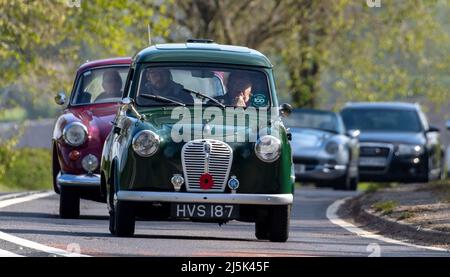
(261, 230)
(123, 219)
(69, 203)
(279, 223)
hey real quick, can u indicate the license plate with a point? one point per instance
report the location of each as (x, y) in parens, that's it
(188, 210)
(376, 162)
(300, 168)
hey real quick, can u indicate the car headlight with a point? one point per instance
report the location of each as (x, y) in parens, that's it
(407, 149)
(146, 143)
(332, 147)
(89, 163)
(268, 148)
(75, 134)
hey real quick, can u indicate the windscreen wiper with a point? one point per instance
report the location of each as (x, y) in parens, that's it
(204, 96)
(161, 99)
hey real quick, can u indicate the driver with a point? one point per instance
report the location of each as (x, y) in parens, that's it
(112, 85)
(239, 89)
(158, 81)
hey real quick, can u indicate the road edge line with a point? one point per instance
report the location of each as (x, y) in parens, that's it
(331, 214)
(28, 243)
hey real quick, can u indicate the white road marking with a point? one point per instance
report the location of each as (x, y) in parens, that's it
(334, 218)
(4, 254)
(29, 243)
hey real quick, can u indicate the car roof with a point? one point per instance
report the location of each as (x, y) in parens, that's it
(308, 110)
(202, 52)
(105, 62)
(386, 105)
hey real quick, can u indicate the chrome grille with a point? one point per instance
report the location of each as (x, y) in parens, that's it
(194, 159)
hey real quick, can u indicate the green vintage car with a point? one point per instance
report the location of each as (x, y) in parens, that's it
(199, 137)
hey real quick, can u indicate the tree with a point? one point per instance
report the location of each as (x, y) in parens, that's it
(42, 42)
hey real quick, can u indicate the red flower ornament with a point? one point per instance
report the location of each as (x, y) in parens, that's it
(206, 181)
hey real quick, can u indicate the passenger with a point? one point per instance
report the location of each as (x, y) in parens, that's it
(239, 90)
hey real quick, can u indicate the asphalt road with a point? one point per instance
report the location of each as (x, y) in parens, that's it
(311, 234)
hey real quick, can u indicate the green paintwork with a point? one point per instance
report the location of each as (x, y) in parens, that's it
(133, 172)
(202, 53)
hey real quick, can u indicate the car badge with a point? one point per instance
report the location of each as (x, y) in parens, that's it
(177, 181)
(233, 184)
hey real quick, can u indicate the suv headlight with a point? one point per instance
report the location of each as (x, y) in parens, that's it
(75, 134)
(407, 149)
(268, 148)
(146, 143)
(332, 147)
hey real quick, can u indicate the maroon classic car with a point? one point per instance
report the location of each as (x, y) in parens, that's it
(81, 130)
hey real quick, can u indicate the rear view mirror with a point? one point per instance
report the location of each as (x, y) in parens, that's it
(60, 98)
(353, 133)
(433, 129)
(285, 109)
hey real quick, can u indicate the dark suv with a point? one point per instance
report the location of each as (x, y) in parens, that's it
(396, 142)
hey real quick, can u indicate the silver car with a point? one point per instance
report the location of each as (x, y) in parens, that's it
(323, 152)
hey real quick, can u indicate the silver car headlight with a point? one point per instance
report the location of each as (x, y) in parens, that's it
(408, 149)
(332, 147)
(146, 143)
(268, 148)
(75, 134)
(89, 163)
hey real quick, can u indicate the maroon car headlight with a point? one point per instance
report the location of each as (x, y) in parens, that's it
(146, 143)
(75, 134)
(89, 163)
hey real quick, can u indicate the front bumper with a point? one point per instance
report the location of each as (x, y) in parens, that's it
(217, 198)
(88, 181)
(320, 172)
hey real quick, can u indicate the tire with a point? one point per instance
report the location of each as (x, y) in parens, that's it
(69, 203)
(124, 221)
(261, 230)
(279, 223)
(343, 183)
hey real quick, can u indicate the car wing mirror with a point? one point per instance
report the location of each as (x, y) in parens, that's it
(128, 104)
(285, 109)
(353, 133)
(433, 129)
(60, 98)
(447, 124)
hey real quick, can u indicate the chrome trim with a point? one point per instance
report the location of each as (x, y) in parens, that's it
(64, 132)
(78, 180)
(204, 162)
(388, 158)
(223, 198)
(258, 155)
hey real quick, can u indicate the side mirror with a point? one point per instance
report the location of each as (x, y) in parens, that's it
(353, 133)
(285, 109)
(447, 124)
(433, 129)
(128, 104)
(60, 98)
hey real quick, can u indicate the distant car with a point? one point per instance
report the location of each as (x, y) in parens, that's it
(79, 133)
(323, 152)
(396, 142)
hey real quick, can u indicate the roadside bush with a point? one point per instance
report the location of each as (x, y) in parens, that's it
(30, 170)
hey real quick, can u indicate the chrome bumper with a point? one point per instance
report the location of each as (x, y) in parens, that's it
(92, 180)
(222, 198)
